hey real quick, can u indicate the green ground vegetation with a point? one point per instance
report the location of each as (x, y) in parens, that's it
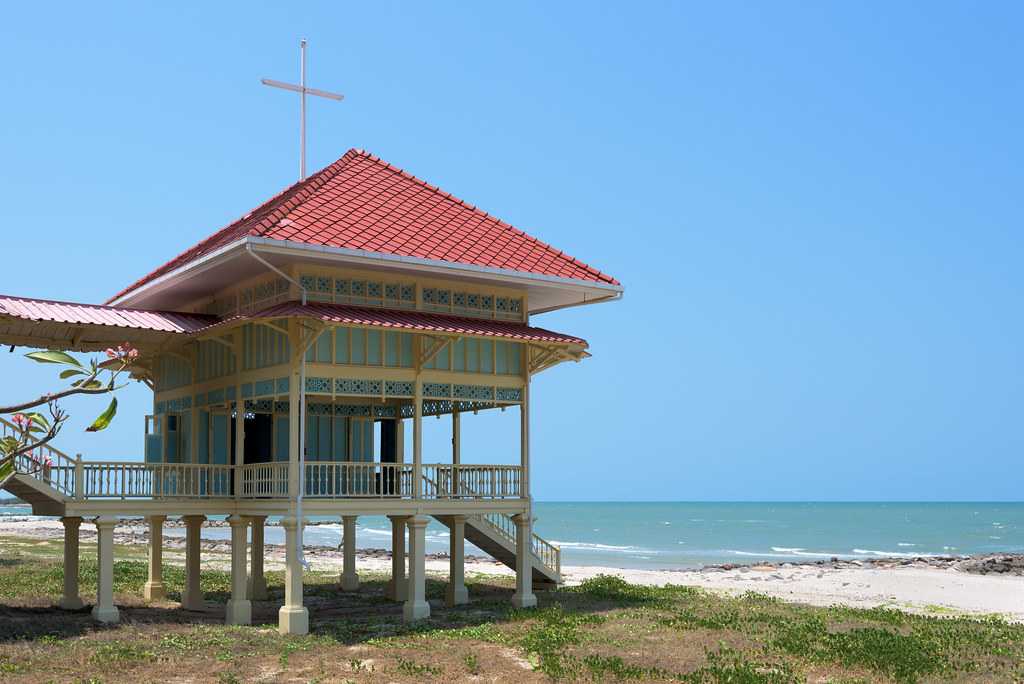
(603, 630)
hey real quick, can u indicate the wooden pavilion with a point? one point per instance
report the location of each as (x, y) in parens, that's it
(288, 352)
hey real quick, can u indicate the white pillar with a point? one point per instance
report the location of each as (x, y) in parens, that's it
(397, 586)
(192, 595)
(257, 580)
(457, 593)
(349, 576)
(71, 599)
(417, 440)
(524, 441)
(456, 449)
(154, 589)
(524, 598)
(293, 617)
(239, 456)
(239, 608)
(416, 606)
(105, 610)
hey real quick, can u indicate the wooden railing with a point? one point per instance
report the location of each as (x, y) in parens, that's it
(265, 480)
(353, 479)
(449, 481)
(45, 463)
(124, 480)
(504, 525)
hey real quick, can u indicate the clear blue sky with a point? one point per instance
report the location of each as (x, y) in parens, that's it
(815, 209)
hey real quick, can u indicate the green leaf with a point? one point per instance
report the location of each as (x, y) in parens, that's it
(6, 469)
(54, 357)
(70, 372)
(40, 420)
(8, 445)
(104, 418)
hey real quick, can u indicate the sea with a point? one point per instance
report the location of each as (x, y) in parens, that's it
(690, 535)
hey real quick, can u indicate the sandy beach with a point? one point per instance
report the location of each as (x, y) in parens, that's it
(941, 586)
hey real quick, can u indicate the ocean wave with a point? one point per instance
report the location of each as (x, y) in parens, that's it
(891, 554)
(905, 544)
(587, 546)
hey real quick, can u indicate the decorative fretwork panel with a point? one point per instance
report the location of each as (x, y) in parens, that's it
(362, 387)
(260, 406)
(394, 388)
(472, 304)
(511, 394)
(318, 385)
(359, 291)
(437, 389)
(474, 392)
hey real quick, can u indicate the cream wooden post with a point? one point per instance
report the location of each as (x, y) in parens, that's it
(105, 610)
(416, 606)
(79, 479)
(192, 596)
(524, 441)
(523, 597)
(257, 580)
(293, 617)
(456, 449)
(349, 576)
(239, 608)
(239, 413)
(71, 600)
(417, 440)
(154, 589)
(397, 587)
(457, 593)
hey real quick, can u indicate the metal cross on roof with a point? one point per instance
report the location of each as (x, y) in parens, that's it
(303, 91)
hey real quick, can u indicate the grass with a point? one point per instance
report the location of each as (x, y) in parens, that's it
(602, 630)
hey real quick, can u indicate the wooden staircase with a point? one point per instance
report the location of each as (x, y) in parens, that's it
(495, 534)
(44, 478)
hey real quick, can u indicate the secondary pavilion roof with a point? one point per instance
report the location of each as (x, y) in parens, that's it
(86, 327)
(361, 202)
(417, 321)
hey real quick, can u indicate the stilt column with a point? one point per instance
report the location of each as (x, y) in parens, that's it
(416, 606)
(457, 593)
(398, 585)
(524, 598)
(257, 581)
(154, 589)
(293, 618)
(192, 596)
(239, 608)
(105, 610)
(349, 577)
(71, 600)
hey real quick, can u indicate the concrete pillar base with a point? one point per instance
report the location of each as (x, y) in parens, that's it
(154, 591)
(415, 610)
(238, 612)
(71, 603)
(524, 601)
(456, 596)
(350, 582)
(106, 615)
(293, 620)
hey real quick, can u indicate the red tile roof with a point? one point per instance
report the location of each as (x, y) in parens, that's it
(421, 321)
(362, 202)
(70, 313)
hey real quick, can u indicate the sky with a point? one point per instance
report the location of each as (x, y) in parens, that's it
(815, 210)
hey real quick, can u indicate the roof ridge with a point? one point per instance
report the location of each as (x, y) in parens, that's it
(475, 209)
(297, 187)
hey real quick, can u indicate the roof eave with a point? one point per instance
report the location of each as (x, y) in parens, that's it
(604, 291)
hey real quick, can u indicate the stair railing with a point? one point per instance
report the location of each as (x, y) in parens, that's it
(45, 463)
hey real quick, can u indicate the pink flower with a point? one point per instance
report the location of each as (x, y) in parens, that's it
(124, 353)
(21, 421)
(111, 354)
